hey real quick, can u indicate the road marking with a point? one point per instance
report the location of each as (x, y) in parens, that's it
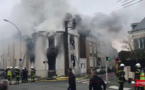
(116, 88)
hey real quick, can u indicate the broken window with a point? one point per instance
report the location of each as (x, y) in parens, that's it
(73, 60)
(72, 42)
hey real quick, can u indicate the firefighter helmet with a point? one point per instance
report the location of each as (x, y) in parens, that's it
(138, 65)
(16, 67)
(11, 67)
(122, 65)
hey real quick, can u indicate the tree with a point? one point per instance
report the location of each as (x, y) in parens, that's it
(134, 54)
(127, 44)
(124, 55)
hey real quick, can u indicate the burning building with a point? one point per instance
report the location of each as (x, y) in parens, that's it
(48, 56)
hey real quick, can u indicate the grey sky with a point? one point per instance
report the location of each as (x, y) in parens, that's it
(85, 7)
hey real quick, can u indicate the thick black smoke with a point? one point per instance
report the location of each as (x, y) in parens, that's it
(31, 49)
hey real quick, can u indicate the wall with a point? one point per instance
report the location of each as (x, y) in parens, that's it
(60, 63)
(74, 52)
(91, 53)
(11, 54)
(41, 46)
(136, 35)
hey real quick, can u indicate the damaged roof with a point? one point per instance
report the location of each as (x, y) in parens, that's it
(140, 26)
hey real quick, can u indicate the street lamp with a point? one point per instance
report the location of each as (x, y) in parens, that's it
(20, 39)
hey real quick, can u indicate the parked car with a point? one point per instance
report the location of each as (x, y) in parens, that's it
(98, 70)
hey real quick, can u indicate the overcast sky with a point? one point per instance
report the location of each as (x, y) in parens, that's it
(90, 8)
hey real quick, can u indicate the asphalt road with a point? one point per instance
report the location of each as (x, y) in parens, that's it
(62, 85)
(57, 85)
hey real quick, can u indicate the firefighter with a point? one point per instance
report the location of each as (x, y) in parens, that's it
(25, 75)
(33, 71)
(121, 78)
(17, 75)
(6, 71)
(137, 72)
(23, 78)
(9, 75)
(72, 80)
(142, 77)
(96, 82)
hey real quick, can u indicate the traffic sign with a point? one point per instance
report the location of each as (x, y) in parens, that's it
(20, 59)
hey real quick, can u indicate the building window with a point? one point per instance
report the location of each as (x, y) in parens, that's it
(73, 60)
(136, 46)
(90, 47)
(91, 61)
(139, 43)
(72, 42)
(94, 49)
(15, 62)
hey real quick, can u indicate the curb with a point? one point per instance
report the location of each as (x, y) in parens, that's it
(60, 79)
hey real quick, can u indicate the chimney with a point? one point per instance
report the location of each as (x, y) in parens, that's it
(133, 25)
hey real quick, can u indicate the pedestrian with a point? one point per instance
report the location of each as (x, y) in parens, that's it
(96, 82)
(4, 85)
(121, 78)
(71, 80)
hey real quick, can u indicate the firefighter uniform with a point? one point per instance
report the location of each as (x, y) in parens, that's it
(9, 76)
(72, 82)
(137, 73)
(142, 77)
(6, 71)
(33, 71)
(121, 78)
(96, 82)
(22, 74)
(17, 75)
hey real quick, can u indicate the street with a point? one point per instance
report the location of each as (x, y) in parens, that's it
(57, 85)
(82, 84)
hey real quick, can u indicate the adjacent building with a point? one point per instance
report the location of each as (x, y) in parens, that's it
(45, 51)
(137, 35)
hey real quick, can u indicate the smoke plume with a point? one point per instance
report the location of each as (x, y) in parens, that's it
(40, 15)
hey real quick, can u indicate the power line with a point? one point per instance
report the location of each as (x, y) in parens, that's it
(119, 9)
(133, 4)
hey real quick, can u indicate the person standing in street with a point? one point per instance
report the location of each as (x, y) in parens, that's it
(121, 78)
(96, 82)
(6, 71)
(9, 75)
(72, 80)
(25, 75)
(17, 75)
(137, 74)
(33, 71)
(4, 85)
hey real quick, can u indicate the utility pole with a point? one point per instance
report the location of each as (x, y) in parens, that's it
(72, 26)
(66, 47)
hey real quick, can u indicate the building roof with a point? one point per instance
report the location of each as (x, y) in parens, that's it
(140, 26)
(73, 32)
